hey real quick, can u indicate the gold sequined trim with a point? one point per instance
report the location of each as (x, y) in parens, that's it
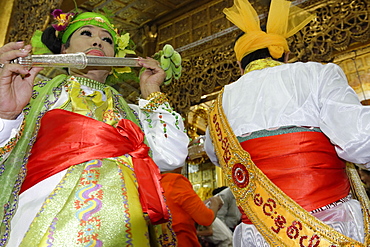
(13, 141)
(261, 64)
(277, 217)
(155, 100)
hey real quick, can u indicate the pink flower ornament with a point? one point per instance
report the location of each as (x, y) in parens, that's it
(63, 19)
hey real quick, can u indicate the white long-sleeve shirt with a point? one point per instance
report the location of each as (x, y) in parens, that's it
(169, 151)
(301, 94)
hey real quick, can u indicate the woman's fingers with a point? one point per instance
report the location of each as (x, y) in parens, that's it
(13, 50)
(9, 69)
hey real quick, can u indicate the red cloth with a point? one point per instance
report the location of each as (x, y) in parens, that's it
(66, 139)
(304, 165)
(186, 208)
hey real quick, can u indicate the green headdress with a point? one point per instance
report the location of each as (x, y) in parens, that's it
(83, 19)
(68, 23)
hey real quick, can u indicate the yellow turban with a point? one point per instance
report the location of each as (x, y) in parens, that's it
(283, 21)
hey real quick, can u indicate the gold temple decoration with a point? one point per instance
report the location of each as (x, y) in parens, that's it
(27, 16)
(340, 26)
(356, 66)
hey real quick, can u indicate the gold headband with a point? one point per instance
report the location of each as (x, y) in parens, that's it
(283, 21)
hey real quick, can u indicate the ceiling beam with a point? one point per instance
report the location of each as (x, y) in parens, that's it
(178, 11)
(68, 5)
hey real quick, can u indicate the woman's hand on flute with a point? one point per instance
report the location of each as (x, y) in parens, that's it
(16, 81)
(152, 77)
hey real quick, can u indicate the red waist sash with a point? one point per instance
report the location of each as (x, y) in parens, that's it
(304, 165)
(66, 139)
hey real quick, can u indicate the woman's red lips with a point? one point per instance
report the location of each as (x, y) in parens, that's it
(95, 53)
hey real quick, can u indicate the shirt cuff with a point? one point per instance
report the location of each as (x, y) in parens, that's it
(9, 128)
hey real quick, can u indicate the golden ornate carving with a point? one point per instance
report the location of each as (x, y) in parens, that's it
(195, 25)
(30, 16)
(201, 75)
(340, 25)
(356, 66)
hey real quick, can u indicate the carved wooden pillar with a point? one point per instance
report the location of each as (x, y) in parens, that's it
(5, 17)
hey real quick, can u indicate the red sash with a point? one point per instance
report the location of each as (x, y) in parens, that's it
(66, 139)
(304, 165)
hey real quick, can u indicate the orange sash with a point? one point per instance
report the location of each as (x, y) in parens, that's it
(307, 158)
(66, 139)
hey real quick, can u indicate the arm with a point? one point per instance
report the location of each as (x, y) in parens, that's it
(9, 129)
(165, 133)
(208, 146)
(10, 132)
(191, 203)
(208, 231)
(163, 127)
(16, 82)
(16, 86)
(221, 214)
(342, 117)
(214, 203)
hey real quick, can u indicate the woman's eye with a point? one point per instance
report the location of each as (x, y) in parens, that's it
(87, 33)
(109, 40)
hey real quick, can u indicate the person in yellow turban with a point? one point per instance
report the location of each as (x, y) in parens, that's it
(282, 134)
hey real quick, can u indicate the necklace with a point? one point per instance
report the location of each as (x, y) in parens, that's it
(88, 82)
(261, 64)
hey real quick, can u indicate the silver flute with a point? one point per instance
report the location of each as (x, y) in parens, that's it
(75, 60)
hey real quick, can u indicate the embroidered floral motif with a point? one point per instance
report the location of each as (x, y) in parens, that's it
(88, 202)
(127, 214)
(159, 102)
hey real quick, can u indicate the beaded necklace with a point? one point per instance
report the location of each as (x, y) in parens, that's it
(88, 82)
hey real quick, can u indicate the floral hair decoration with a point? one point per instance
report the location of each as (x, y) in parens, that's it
(67, 23)
(63, 19)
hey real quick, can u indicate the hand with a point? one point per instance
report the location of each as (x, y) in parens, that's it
(16, 81)
(215, 203)
(152, 77)
(218, 201)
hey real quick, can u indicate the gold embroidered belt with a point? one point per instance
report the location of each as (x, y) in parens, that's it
(278, 218)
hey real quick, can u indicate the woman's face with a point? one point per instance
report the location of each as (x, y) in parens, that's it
(91, 40)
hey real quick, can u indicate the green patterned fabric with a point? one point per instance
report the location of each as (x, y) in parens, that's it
(13, 169)
(95, 204)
